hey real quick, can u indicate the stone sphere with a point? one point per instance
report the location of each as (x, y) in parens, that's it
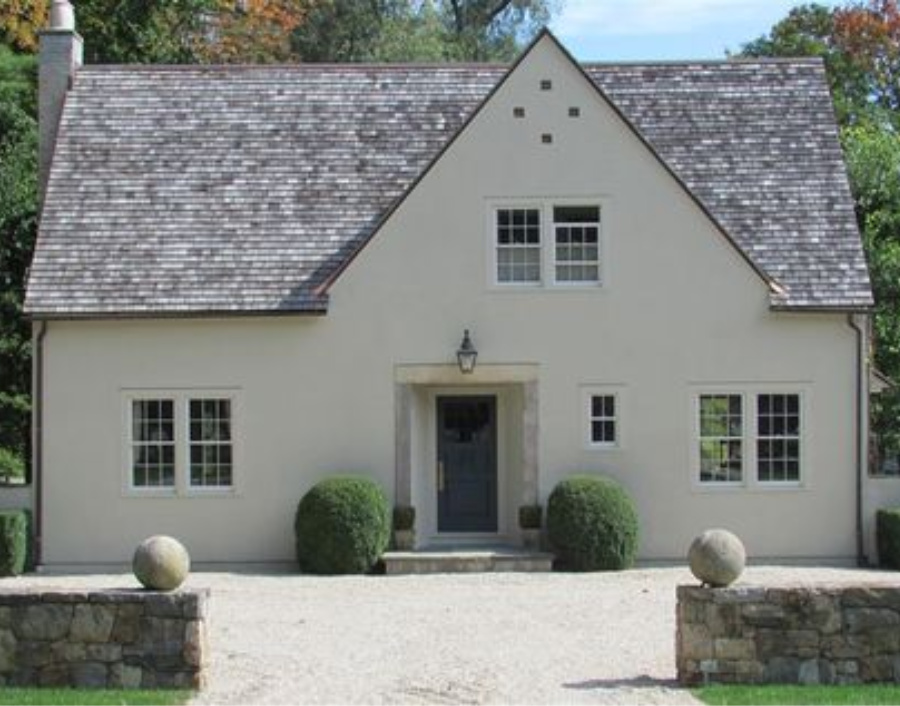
(717, 557)
(161, 563)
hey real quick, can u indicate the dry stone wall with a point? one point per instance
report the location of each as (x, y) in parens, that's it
(105, 639)
(806, 635)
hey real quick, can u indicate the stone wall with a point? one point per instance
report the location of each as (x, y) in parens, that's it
(806, 635)
(117, 639)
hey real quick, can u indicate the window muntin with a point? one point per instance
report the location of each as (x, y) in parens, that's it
(576, 232)
(518, 245)
(153, 443)
(721, 441)
(603, 420)
(210, 443)
(778, 438)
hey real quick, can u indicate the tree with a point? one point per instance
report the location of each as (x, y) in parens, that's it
(20, 21)
(18, 225)
(873, 162)
(430, 30)
(869, 36)
(188, 31)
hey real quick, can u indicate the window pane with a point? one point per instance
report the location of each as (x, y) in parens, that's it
(603, 419)
(210, 447)
(576, 236)
(721, 440)
(152, 443)
(778, 438)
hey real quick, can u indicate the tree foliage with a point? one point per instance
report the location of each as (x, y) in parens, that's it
(18, 225)
(431, 30)
(20, 21)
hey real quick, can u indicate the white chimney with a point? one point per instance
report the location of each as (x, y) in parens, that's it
(61, 55)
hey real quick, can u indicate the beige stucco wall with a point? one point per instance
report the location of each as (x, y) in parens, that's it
(679, 309)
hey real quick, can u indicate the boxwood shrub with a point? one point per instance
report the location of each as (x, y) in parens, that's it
(887, 525)
(342, 526)
(592, 524)
(13, 542)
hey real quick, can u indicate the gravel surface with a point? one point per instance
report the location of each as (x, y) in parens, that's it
(461, 639)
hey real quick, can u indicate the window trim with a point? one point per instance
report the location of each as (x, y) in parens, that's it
(548, 281)
(588, 392)
(181, 398)
(749, 393)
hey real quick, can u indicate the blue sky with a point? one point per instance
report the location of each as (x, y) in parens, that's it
(629, 30)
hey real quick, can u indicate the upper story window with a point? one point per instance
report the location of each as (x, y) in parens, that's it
(547, 244)
(519, 245)
(576, 231)
(180, 441)
(764, 450)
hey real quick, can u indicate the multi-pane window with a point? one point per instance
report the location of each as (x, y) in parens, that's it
(778, 437)
(603, 420)
(181, 441)
(576, 232)
(518, 245)
(153, 443)
(210, 442)
(721, 438)
(768, 439)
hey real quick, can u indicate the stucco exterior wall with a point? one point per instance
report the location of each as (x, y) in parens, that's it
(680, 310)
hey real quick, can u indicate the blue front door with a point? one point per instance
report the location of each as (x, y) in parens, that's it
(467, 464)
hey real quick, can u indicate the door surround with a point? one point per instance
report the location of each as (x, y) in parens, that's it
(416, 388)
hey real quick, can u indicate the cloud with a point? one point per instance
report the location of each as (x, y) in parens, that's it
(581, 18)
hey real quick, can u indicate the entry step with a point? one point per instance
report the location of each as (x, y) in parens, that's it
(442, 560)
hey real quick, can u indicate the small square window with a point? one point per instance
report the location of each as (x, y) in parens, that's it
(518, 112)
(546, 84)
(574, 112)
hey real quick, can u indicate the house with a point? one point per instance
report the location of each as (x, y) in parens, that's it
(248, 278)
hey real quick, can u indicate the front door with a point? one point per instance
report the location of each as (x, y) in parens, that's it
(467, 464)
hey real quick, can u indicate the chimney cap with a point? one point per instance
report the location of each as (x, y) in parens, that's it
(62, 16)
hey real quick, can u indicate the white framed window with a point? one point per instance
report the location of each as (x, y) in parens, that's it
(778, 438)
(209, 444)
(549, 243)
(179, 441)
(576, 234)
(749, 437)
(721, 438)
(602, 407)
(518, 245)
(153, 443)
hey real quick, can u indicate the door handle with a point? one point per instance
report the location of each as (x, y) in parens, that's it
(440, 476)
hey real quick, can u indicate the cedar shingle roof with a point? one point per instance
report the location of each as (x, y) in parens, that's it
(242, 189)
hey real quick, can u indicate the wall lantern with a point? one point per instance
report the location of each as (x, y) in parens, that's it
(466, 355)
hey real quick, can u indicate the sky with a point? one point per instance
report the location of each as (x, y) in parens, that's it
(635, 30)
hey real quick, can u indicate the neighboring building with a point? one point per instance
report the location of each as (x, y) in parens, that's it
(248, 278)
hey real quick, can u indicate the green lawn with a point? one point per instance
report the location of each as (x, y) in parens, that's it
(92, 697)
(791, 694)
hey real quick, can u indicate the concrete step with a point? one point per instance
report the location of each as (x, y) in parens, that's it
(441, 560)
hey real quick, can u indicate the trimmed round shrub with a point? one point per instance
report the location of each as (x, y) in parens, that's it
(342, 526)
(592, 524)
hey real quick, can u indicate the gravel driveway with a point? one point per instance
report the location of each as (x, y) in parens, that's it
(478, 638)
